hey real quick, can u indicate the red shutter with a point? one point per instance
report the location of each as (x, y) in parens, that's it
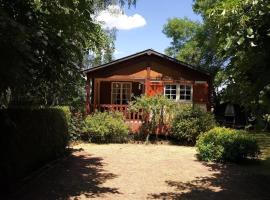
(156, 88)
(200, 93)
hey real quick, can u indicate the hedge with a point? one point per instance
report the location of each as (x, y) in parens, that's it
(223, 144)
(106, 127)
(29, 138)
(189, 122)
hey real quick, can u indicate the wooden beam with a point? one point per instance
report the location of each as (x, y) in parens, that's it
(95, 95)
(147, 81)
(87, 103)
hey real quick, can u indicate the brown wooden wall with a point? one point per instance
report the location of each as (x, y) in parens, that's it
(162, 71)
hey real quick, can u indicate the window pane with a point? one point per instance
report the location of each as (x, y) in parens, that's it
(182, 97)
(167, 92)
(167, 87)
(173, 92)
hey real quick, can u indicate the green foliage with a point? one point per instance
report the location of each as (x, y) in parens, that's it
(234, 40)
(29, 139)
(76, 126)
(181, 31)
(76, 123)
(66, 111)
(189, 122)
(243, 40)
(223, 144)
(157, 110)
(42, 46)
(191, 43)
(105, 127)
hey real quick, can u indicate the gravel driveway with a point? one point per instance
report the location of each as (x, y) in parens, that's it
(137, 171)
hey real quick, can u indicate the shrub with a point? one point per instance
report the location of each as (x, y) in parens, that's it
(66, 111)
(29, 138)
(105, 127)
(75, 122)
(189, 122)
(157, 111)
(223, 144)
(76, 126)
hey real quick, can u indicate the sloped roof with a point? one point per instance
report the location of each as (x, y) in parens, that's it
(146, 52)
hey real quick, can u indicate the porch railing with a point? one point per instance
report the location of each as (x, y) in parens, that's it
(120, 108)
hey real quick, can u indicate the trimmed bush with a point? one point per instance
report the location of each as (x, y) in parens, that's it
(105, 127)
(224, 144)
(30, 138)
(189, 122)
(76, 126)
(76, 123)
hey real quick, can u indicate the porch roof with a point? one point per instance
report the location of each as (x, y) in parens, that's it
(146, 52)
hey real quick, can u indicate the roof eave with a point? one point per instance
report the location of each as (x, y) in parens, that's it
(148, 52)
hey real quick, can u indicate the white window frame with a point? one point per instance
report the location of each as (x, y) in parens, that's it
(191, 92)
(171, 89)
(121, 91)
(178, 91)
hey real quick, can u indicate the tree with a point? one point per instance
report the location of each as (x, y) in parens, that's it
(104, 55)
(234, 39)
(192, 42)
(42, 44)
(243, 38)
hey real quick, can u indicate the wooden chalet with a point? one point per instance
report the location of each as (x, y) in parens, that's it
(113, 85)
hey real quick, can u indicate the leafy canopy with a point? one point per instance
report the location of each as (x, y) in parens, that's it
(42, 44)
(191, 43)
(233, 41)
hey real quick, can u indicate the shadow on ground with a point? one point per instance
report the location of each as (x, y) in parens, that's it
(228, 182)
(79, 174)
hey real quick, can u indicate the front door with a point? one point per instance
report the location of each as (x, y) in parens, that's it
(121, 92)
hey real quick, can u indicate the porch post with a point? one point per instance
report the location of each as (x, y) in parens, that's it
(87, 105)
(96, 94)
(147, 81)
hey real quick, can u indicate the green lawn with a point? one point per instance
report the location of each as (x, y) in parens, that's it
(263, 139)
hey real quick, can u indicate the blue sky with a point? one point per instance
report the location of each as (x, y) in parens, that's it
(156, 13)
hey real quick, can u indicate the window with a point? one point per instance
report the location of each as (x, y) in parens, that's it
(121, 92)
(170, 91)
(178, 92)
(185, 92)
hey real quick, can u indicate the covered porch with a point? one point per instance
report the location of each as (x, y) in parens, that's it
(111, 94)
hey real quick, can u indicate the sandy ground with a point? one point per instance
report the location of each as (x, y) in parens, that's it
(137, 171)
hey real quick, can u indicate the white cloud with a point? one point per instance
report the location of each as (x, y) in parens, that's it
(113, 17)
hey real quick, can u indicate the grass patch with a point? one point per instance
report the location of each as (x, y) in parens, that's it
(263, 139)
